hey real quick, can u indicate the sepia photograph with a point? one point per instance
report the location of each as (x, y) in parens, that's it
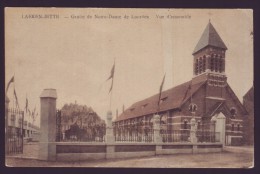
(129, 87)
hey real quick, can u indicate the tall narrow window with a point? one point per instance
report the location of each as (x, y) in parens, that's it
(204, 63)
(199, 125)
(232, 127)
(220, 65)
(216, 64)
(200, 65)
(185, 126)
(212, 62)
(197, 66)
(238, 127)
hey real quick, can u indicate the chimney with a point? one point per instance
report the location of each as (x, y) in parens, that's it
(116, 113)
(123, 109)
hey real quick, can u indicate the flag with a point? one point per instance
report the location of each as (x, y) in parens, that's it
(160, 92)
(16, 99)
(112, 73)
(111, 86)
(11, 81)
(26, 104)
(111, 77)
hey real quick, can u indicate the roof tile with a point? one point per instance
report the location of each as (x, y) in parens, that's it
(175, 97)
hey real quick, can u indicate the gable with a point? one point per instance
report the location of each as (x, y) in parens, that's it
(232, 99)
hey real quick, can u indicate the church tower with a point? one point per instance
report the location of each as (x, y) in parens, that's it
(209, 59)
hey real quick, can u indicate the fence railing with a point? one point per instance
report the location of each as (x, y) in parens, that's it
(97, 133)
(184, 136)
(14, 131)
(133, 134)
(208, 136)
(175, 135)
(86, 134)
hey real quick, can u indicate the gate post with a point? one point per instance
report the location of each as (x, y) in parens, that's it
(47, 146)
(110, 139)
(6, 122)
(193, 130)
(157, 136)
(220, 126)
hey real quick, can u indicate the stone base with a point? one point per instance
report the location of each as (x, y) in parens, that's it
(47, 151)
(133, 154)
(173, 151)
(80, 156)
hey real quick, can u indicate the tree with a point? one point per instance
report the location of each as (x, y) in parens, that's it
(82, 115)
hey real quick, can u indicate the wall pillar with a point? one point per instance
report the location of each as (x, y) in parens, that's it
(156, 127)
(193, 130)
(6, 122)
(157, 136)
(47, 145)
(220, 126)
(110, 139)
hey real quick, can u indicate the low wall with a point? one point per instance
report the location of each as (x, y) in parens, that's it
(78, 151)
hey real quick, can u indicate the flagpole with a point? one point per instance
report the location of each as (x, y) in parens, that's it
(111, 98)
(13, 98)
(112, 83)
(160, 92)
(191, 92)
(15, 94)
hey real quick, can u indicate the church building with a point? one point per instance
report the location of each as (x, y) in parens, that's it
(208, 91)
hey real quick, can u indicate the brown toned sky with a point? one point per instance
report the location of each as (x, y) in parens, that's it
(75, 56)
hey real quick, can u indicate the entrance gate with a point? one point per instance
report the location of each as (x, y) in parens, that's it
(14, 131)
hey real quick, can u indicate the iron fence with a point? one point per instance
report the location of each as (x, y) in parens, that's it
(184, 136)
(208, 136)
(133, 134)
(14, 131)
(94, 133)
(175, 135)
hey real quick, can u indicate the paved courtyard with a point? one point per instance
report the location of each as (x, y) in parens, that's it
(234, 157)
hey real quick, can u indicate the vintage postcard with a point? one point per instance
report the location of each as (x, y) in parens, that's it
(148, 88)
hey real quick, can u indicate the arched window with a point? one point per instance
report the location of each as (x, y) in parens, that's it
(212, 62)
(163, 123)
(204, 63)
(151, 122)
(238, 127)
(233, 112)
(220, 65)
(197, 66)
(185, 125)
(163, 120)
(200, 65)
(216, 64)
(199, 125)
(232, 127)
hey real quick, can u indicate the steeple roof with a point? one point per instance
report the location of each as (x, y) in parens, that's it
(209, 37)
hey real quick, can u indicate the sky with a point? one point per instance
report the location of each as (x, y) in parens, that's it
(75, 55)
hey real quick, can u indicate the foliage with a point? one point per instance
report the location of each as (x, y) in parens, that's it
(81, 114)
